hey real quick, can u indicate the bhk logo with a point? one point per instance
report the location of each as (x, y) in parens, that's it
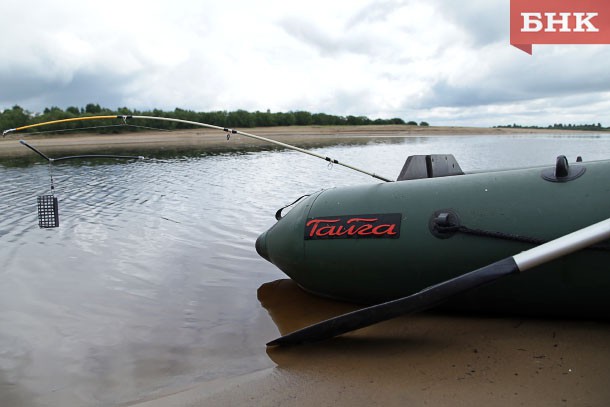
(559, 22)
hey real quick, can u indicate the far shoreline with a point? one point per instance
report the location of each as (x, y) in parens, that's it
(209, 140)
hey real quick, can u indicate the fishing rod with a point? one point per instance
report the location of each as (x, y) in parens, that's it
(229, 131)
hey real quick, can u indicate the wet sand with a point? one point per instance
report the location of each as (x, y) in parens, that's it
(426, 359)
(210, 140)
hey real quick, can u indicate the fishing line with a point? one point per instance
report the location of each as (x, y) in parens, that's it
(81, 156)
(227, 130)
(48, 205)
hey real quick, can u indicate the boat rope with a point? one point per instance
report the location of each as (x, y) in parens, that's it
(229, 132)
(454, 228)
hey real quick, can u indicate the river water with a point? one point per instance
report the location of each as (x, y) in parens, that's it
(149, 284)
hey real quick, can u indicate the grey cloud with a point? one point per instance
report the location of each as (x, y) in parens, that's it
(20, 85)
(545, 76)
(311, 35)
(351, 40)
(325, 43)
(34, 93)
(374, 12)
(485, 21)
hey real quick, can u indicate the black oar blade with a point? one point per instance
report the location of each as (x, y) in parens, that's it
(419, 301)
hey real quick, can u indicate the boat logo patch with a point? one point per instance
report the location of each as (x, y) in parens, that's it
(376, 226)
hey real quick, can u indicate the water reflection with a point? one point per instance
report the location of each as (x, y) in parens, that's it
(291, 308)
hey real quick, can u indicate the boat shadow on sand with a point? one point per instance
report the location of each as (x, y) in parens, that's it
(432, 332)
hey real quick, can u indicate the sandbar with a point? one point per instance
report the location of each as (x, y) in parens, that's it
(211, 140)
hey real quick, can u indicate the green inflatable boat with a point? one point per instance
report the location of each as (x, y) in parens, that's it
(377, 242)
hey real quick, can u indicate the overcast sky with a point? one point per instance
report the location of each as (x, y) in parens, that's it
(447, 62)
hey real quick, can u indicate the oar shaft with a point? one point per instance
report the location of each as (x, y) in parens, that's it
(564, 245)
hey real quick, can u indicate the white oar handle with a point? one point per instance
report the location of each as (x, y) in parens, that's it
(564, 245)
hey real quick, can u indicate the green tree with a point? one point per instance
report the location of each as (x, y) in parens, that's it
(125, 111)
(73, 110)
(265, 119)
(93, 108)
(285, 119)
(240, 118)
(12, 118)
(302, 118)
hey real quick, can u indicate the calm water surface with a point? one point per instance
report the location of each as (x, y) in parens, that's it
(150, 283)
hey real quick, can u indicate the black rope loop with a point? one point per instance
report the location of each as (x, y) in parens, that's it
(451, 229)
(278, 214)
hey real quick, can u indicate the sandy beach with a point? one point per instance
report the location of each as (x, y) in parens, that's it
(210, 140)
(428, 359)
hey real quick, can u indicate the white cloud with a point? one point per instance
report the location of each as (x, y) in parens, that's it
(442, 61)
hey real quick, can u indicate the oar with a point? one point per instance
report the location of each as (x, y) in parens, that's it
(436, 294)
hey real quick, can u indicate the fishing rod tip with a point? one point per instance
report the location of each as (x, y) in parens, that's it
(5, 132)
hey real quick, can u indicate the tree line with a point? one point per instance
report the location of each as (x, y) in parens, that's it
(560, 126)
(17, 117)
